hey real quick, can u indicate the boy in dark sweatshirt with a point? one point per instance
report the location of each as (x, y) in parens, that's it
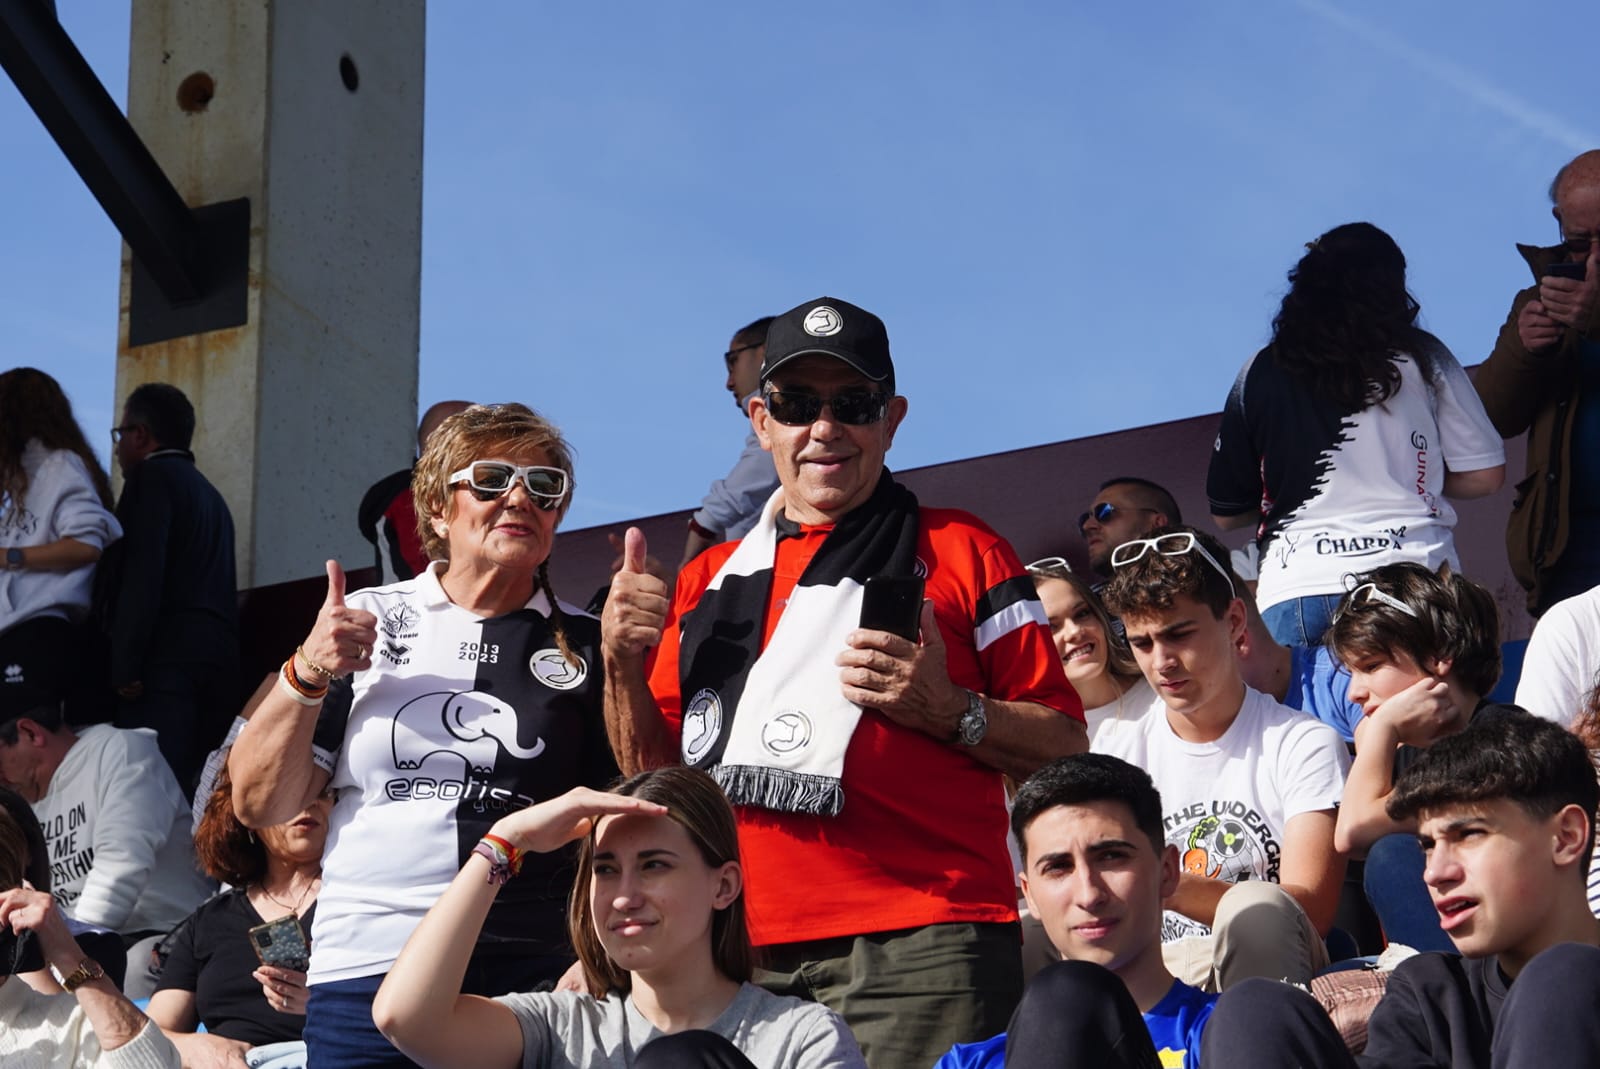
(1505, 816)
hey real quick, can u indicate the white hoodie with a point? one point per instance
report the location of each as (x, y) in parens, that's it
(61, 502)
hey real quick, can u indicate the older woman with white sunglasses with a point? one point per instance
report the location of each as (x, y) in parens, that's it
(433, 707)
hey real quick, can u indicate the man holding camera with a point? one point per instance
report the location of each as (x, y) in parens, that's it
(865, 765)
(1544, 378)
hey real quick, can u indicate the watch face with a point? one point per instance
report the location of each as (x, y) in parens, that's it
(14, 556)
(974, 723)
(972, 731)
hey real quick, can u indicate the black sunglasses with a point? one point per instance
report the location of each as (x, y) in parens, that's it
(854, 408)
(1104, 511)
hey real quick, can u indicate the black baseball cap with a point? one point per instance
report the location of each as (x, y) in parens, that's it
(833, 328)
(18, 700)
(31, 679)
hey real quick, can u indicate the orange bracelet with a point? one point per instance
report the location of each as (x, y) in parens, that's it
(513, 855)
(298, 685)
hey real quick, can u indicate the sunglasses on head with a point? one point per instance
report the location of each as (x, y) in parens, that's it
(1370, 592)
(853, 407)
(1104, 511)
(489, 479)
(1168, 545)
(1049, 564)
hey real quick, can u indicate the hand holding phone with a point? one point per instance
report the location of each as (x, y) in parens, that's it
(893, 603)
(282, 942)
(1567, 269)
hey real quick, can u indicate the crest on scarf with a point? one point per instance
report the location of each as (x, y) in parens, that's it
(702, 723)
(787, 732)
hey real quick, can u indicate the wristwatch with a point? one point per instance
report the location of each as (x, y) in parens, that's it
(974, 723)
(14, 557)
(88, 969)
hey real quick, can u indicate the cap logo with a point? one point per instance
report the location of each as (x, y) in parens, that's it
(822, 322)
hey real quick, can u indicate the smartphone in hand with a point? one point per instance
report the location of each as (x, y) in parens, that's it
(1567, 269)
(282, 943)
(893, 603)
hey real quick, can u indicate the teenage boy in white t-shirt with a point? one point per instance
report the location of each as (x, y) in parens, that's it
(1250, 786)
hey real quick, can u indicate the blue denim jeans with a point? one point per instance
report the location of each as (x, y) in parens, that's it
(339, 1032)
(1301, 621)
(1394, 886)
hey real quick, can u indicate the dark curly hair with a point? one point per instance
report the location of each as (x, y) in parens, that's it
(1347, 317)
(1455, 619)
(1152, 583)
(33, 405)
(1506, 753)
(1587, 726)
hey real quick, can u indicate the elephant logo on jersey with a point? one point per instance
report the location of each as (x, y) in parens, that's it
(471, 725)
(400, 621)
(787, 732)
(702, 723)
(551, 667)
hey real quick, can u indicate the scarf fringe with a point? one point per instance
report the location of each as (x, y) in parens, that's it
(780, 789)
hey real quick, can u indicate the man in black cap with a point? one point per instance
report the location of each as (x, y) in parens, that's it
(865, 766)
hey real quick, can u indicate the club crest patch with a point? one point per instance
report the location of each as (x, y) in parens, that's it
(822, 322)
(702, 723)
(786, 733)
(556, 672)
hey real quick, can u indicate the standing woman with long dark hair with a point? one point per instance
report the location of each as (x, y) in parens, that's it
(1342, 437)
(55, 520)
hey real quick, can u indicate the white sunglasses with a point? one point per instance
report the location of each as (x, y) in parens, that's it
(490, 479)
(1370, 592)
(1168, 545)
(1049, 564)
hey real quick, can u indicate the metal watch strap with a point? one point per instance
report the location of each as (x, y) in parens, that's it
(974, 723)
(88, 969)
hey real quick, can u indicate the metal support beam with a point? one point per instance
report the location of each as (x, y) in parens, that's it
(103, 147)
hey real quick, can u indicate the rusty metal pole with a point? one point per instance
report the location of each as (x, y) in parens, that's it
(312, 111)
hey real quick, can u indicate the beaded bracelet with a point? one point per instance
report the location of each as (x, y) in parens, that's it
(504, 859)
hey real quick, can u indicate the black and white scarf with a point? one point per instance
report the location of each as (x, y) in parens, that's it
(772, 725)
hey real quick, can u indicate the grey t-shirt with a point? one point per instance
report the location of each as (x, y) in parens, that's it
(564, 1030)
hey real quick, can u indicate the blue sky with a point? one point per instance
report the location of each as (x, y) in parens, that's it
(1074, 218)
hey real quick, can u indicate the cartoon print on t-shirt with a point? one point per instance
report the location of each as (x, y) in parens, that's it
(1222, 840)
